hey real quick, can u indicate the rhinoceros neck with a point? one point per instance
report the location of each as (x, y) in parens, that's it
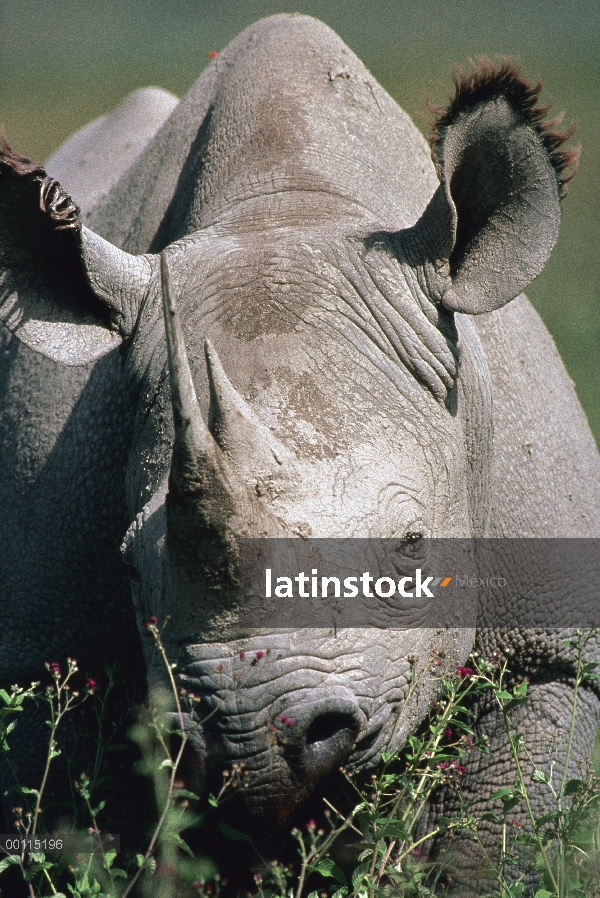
(287, 126)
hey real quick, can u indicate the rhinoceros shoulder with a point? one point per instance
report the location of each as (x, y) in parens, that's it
(546, 467)
(91, 161)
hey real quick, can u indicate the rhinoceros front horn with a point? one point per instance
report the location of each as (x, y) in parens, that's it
(209, 507)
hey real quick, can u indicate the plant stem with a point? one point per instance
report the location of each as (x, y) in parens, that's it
(572, 726)
(385, 859)
(49, 754)
(515, 754)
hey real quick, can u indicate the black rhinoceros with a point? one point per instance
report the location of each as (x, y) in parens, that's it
(351, 356)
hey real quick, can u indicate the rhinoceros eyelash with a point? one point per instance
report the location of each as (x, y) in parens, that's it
(416, 530)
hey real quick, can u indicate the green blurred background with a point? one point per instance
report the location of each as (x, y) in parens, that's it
(65, 62)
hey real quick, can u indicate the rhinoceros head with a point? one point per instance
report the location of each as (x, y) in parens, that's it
(316, 373)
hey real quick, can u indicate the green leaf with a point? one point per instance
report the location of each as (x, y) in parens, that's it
(167, 763)
(492, 818)
(394, 830)
(525, 839)
(572, 786)
(538, 776)
(11, 859)
(139, 859)
(109, 858)
(340, 893)
(185, 793)
(327, 867)
(515, 702)
(546, 818)
(416, 744)
(505, 696)
(231, 833)
(358, 875)
(542, 893)
(176, 839)
(504, 792)
(117, 872)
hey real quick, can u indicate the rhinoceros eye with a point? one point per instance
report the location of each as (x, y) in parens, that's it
(408, 550)
(414, 532)
(413, 535)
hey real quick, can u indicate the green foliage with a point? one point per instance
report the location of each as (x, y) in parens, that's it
(387, 824)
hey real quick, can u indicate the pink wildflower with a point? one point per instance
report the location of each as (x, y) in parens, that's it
(91, 684)
(242, 655)
(448, 733)
(260, 654)
(311, 825)
(212, 54)
(464, 671)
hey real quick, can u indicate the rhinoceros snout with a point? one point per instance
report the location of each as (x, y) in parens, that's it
(323, 735)
(284, 763)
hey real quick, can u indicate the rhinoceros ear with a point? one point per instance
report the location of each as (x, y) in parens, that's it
(502, 175)
(64, 292)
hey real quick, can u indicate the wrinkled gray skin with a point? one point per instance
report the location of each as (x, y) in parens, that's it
(307, 235)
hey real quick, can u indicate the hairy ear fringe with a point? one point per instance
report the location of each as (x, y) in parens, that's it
(54, 201)
(487, 80)
(20, 165)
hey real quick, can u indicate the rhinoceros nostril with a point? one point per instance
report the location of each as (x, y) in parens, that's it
(323, 741)
(331, 725)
